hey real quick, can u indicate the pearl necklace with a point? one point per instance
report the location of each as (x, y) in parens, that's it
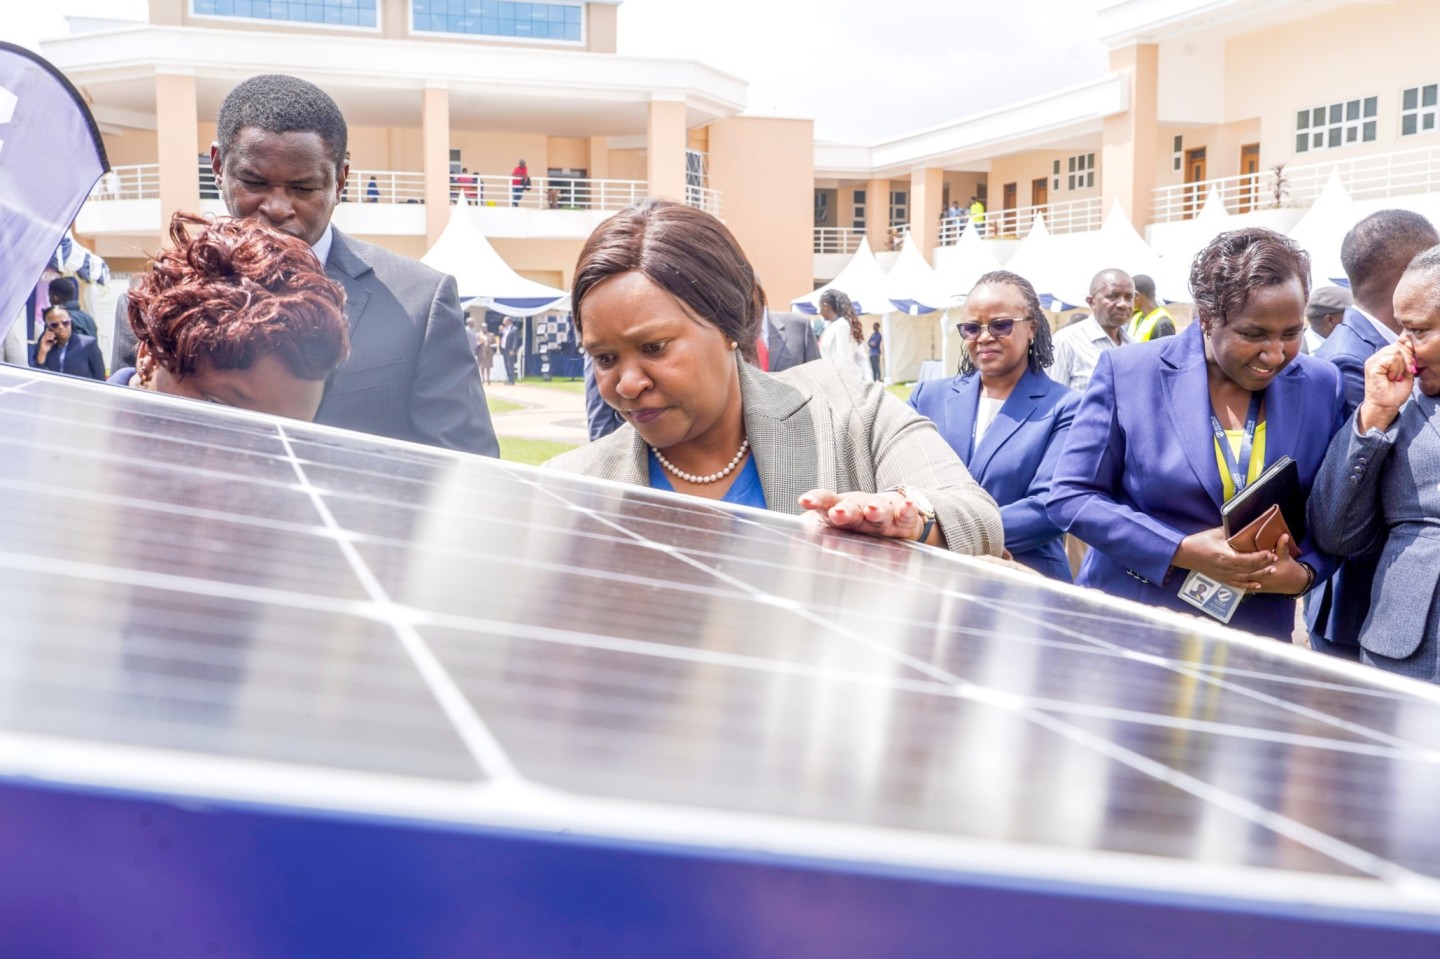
(702, 480)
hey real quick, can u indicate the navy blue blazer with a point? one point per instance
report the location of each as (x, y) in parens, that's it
(1016, 457)
(1138, 473)
(82, 358)
(1337, 610)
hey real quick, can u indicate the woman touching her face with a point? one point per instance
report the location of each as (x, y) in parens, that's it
(668, 309)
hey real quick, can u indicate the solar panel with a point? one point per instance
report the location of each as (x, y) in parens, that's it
(273, 689)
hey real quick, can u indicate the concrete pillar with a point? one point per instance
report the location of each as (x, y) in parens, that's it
(665, 149)
(435, 148)
(927, 190)
(877, 213)
(176, 115)
(599, 163)
(1131, 141)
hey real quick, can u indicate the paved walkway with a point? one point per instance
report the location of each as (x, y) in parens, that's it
(548, 414)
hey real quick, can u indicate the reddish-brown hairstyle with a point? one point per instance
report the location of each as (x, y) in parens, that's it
(231, 291)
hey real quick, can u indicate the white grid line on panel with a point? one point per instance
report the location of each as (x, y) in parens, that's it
(484, 747)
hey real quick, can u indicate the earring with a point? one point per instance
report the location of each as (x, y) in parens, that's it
(734, 345)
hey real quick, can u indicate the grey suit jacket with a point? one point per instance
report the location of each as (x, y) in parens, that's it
(410, 374)
(1379, 491)
(812, 428)
(791, 341)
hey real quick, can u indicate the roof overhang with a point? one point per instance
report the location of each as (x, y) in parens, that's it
(1043, 123)
(1122, 23)
(376, 81)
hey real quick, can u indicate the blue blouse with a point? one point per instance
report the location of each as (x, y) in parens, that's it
(745, 491)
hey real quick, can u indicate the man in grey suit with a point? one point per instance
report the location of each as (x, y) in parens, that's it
(1375, 253)
(788, 341)
(279, 156)
(1379, 488)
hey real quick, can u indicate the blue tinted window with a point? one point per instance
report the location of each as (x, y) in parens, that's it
(350, 13)
(498, 18)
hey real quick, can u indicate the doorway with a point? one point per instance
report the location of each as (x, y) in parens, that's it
(1250, 170)
(1007, 224)
(1039, 196)
(1194, 179)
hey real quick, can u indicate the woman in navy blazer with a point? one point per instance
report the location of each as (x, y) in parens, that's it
(1007, 348)
(1140, 478)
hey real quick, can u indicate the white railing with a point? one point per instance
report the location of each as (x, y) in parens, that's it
(703, 198)
(837, 239)
(1364, 178)
(548, 193)
(384, 186)
(1069, 216)
(137, 181)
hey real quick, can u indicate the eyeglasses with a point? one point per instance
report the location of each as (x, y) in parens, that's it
(57, 324)
(998, 327)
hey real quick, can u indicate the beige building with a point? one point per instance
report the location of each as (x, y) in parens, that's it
(442, 105)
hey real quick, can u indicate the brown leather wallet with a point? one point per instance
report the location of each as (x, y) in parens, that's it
(1262, 533)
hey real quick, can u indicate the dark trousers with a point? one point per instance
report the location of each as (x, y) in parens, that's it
(875, 367)
(509, 367)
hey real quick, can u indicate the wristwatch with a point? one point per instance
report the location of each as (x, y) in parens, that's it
(922, 505)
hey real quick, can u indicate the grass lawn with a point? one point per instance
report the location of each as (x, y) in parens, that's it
(562, 384)
(531, 452)
(501, 406)
(901, 391)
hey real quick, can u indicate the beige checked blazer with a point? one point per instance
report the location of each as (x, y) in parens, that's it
(815, 426)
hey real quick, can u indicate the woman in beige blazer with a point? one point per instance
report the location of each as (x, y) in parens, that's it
(669, 311)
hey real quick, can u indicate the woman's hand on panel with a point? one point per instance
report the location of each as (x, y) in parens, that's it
(889, 514)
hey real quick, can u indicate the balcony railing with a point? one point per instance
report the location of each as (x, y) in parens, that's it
(138, 181)
(1364, 178)
(703, 198)
(1070, 216)
(384, 186)
(548, 193)
(837, 239)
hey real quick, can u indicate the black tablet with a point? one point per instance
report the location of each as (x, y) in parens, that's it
(1280, 483)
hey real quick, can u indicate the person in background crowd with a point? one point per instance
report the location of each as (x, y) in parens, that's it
(977, 215)
(1005, 418)
(669, 310)
(509, 348)
(1171, 430)
(1151, 320)
(877, 348)
(1323, 313)
(519, 182)
(843, 342)
(64, 291)
(484, 350)
(1375, 253)
(372, 191)
(1379, 490)
(236, 313)
(62, 350)
(1078, 347)
(279, 157)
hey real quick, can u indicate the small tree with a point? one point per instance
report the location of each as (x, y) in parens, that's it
(1280, 187)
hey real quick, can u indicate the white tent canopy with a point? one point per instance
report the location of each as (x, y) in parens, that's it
(913, 287)
(970, 260)
(463, 252)
(863, 280)
(1048, 262)
(1173, 279)
(1322, 229)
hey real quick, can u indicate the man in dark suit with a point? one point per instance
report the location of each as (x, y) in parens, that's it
(785, 340)
(62, 350)
(279, 156)
(509, 348)
(1375, 254)
(65, 291)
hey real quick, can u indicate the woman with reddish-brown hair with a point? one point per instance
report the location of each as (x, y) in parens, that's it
(238, 314)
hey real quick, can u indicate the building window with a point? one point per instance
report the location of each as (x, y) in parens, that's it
(857, 219)
(1336, 125)
(1055, 172)
(1418, 110)
(330, 13)
(899, 208)
(1081, 170)
(1177, 157)
(499, 18)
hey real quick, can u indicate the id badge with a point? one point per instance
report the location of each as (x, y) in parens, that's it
(1211, 598)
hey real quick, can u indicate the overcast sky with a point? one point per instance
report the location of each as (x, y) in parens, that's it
(864, 70)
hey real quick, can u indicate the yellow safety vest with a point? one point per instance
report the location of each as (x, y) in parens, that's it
(1142, 330)
(977, 213)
